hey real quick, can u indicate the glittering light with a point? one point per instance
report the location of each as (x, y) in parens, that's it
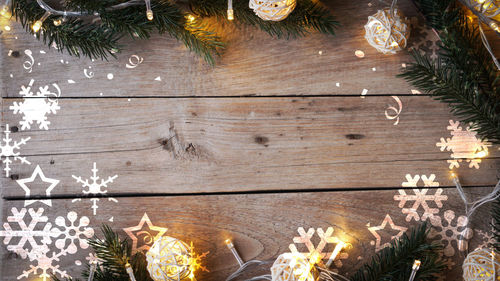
(38, 24)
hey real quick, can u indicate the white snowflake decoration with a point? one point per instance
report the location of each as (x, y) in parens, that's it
(420, 198)
(8, 151)
(450, 232)
(319, 251)
(35, 107)
(95, 187)
(74, 232)
(464, 145)
(27, 233)
(486, 239)
(27, 246)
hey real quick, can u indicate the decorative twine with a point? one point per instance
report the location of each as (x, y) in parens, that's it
(274, 10)
(471, 207)
(481, 265)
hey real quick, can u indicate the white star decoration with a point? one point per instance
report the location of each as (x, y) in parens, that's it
(37, 172)
(148, 234)
(374, 229)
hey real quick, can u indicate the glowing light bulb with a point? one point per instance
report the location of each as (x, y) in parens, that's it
(4, 12)
(230, 14)
(38, 24)
(190, 18)
(481, 154)
(57, 22)
(149, 12)
(494, 26)
(231, 247)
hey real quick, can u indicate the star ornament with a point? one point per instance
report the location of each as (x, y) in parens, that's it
(147, 233)
(38, 173)
(374, 229)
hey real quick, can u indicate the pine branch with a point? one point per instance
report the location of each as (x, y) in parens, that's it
(114, 255)
(76, 37)
(464, 76)
(395, 261)
(307, 15)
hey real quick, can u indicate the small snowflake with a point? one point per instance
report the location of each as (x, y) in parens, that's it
(35, 107)
(451, 233)
(35, 238)
(487, 239)
(95, 187)
(464, 145)
(79, 232)
(420, 198)
(319, 251)
(8, 150)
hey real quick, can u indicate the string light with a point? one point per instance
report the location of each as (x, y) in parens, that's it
(5, 11)
(230, 12)
(130, 272)
(231, 247)
(149, 12)
(58, 22)
(93, 266)
(340, 245)
(190, 18)
(414, 269)
(38, 24)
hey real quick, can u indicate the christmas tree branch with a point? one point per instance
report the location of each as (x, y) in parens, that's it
(464, 76)
(395, 262)
(307, 15)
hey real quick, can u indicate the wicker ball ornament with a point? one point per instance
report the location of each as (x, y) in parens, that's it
(271, 9)
(489, 8)
(169, 260)
(293, 267)
(480, 266)
(386, 32)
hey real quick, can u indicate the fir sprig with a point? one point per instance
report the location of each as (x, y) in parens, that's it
(307, 15)
(114, 254)
(100, 39)
(464, 76)
(395, 262)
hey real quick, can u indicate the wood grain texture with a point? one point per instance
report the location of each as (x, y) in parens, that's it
(253, 63)
(247, 144)
(262, 226)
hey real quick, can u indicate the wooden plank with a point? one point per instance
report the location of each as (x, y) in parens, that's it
(253, 63)
(262, 226)
(220, 145)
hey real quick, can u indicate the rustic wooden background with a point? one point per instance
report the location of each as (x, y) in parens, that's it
(276, 136)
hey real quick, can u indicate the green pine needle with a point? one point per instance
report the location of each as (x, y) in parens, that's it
(464, 75)
(395, 262)
(307, 15)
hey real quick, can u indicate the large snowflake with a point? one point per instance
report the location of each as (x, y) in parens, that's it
(95, 187)
(464, 145)
(8, 150)
(420, 198)
(451, 233)
(40, 229)
(35, 107)
(315, 252)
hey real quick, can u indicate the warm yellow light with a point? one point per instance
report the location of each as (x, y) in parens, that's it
(149, 14)
(190, 18)
(230, 14)
(4, 12)
(494, 26)
(416, 264)
(57, 22)
(37, 25)
(481, 154)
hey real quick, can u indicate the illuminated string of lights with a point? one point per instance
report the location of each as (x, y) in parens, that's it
(472, 206)
(49, 11)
